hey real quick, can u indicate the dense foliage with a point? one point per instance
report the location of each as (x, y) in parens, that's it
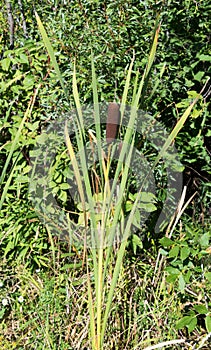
(158, 271)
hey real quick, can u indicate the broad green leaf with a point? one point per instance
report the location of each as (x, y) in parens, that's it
(147, 197)
(208, 323)
(166, 242)
(163, 252)
(22, 179)
(148, 207)
(192, 94)
(128, 206)
(208, 276)
(205, 58)
(191, 326)
(137, 219)
(184, 321)
(23, 58)
(5, 63)
(52, 184)
(41, 139)
(55, 189)
(182, 104)
(172, 270)
(184, 253)
(64, 186)
(208, 134)
(196, 113)
(198, 76)
(63, 196)
(204, 240)
(171, 278)
(174, 251)
(81, 207)
(181, 283)
(136, 242)
(28, 82)
(201, 309)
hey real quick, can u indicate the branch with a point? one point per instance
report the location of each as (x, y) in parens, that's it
(11, 23)
(23, 17)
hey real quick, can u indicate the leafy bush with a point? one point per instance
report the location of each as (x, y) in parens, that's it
(188, 270)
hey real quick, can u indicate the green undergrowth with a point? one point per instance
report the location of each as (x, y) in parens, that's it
(46, 308)
(151, 287)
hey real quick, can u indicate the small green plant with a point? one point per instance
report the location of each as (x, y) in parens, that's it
(185, 253)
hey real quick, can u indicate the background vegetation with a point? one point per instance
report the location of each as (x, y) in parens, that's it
(163, 292)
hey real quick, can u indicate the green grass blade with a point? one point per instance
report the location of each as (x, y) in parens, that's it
(17, 136)
(80, 137)
(91, 310)
(153, 49)
(78, 105)
(175, 131)
(97, 117)
(134, 107)
(145, 77)
(118, 207)
(133, 115)
(126, 88)
(161, 154)
(50, 52)
(135, 86)
(78, 176)
(8, 182)
(157, 82)
(121, 250)
(127, 140)
(52, 246)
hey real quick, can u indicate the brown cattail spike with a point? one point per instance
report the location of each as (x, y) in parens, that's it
(112, 123)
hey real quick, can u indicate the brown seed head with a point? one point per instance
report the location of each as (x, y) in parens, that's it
(112, 123)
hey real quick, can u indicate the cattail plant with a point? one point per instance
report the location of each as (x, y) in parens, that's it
(104, 217)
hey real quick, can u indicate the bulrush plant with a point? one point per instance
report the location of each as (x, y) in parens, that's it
(106, 228)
